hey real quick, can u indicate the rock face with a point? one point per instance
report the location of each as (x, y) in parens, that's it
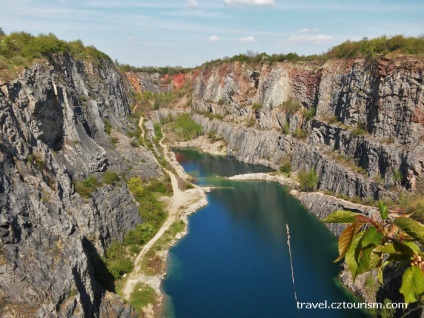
(53, 119)
(364, 140)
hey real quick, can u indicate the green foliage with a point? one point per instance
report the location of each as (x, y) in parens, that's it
(397, 176)
(158, 131)
(20, 49)
(141, 296)
(108, 126)
(110, 177)
(291, 105)
(308, 180)
(186, 127)
(285, 167)
(370, 243)
(309, 113)
(286, 128)
(141, 234)
(368, 48)
(135, 185)
(87, 186)
(116, 261)
(114, 140)
(256, 106)
(168, 70)
(377, 47)
(300, 133)
(341, 216)
(360, 130)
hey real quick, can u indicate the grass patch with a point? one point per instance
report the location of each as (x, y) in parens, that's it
(152, 263)
(141, 296)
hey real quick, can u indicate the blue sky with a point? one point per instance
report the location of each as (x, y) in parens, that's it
(190, 32)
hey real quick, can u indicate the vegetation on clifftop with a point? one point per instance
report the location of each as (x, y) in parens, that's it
(20, 49)
(367, 48)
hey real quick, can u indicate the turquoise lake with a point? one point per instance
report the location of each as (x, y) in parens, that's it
(234, 262)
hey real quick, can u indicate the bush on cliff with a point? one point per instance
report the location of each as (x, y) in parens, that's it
(308, 180)
(186, 127)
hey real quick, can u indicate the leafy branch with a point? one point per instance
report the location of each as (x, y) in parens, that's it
(369, 243)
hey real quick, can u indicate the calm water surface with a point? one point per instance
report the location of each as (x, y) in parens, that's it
(235, 261)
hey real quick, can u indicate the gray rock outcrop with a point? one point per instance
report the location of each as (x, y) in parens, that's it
(53, 119)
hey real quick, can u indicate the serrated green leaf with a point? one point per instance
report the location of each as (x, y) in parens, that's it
(412, 284)
(351, 255)
(398, 251)
(388, 248)
(371, 237)
(341, 216)
(411, 227)
(414, 247)
(384, 210)
(375, 261)
(346, 238)
(418, 215)
(363, 258)
(380, 275)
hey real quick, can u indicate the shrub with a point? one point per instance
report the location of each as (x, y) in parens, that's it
(158, 131)
(308, 180)
(309, 113)
(286, 128)
(110, 177)
(116, 261)
(397, 176)
(108, 126)
(86, 187)
(300, 133)
(360, 130)
(256, 106)
(186, 127)
(114, 140)
(285, 168)
(291, 105)
(141, 234)
(135, 184)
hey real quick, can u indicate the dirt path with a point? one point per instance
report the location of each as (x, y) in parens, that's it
(180, 205)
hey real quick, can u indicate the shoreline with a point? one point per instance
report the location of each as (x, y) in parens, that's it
(184, 203)
(179, 206)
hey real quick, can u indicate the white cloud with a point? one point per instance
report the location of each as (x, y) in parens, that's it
(192, 3)
(319, 38)
(308, 30)
(246, 39)
(250, 2)
(214, 38)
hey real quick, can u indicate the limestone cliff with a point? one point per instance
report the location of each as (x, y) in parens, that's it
(358, 123)
(53, 118)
